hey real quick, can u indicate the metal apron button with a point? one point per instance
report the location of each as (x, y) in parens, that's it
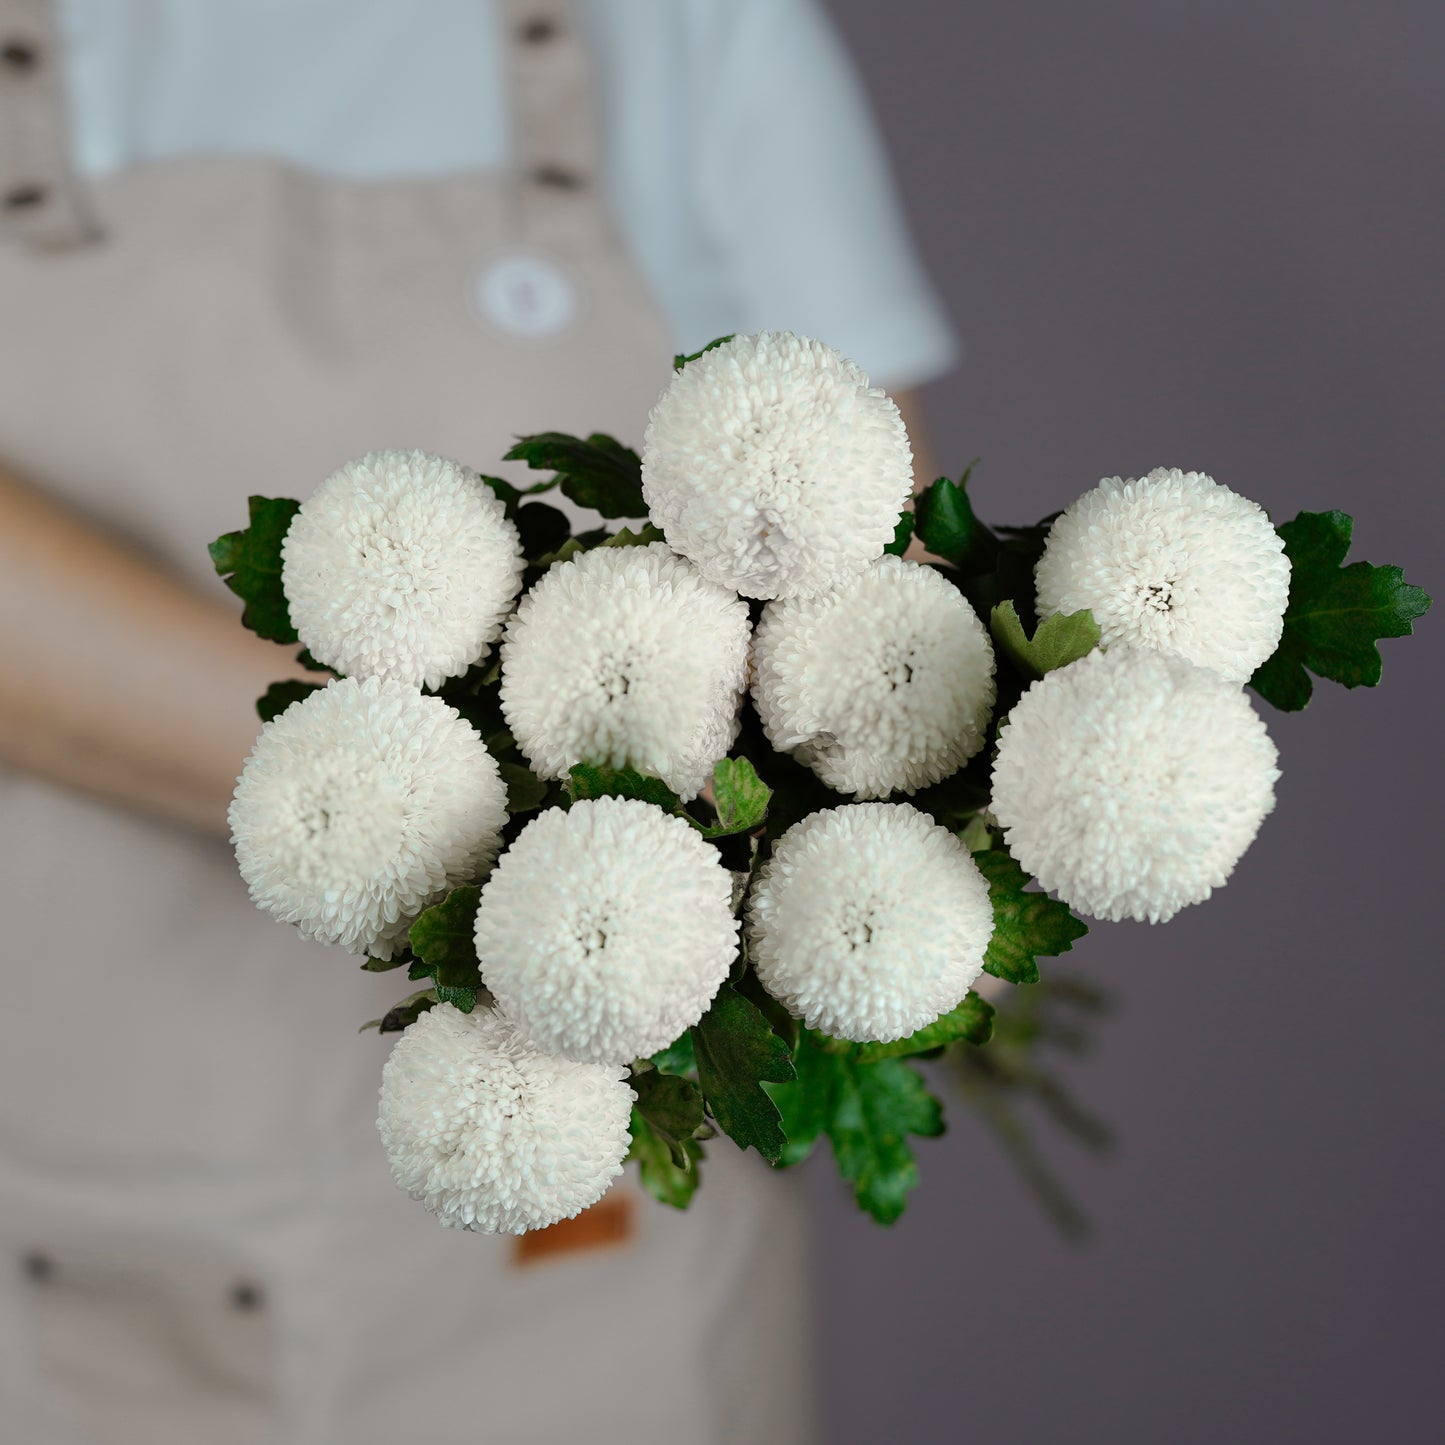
(526, 296)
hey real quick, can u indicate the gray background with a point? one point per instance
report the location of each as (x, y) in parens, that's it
(1205, 235)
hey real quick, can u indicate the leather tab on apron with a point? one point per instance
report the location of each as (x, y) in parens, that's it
(42, 202)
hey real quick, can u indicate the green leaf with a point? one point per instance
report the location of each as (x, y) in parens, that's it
(867, 1110)
(736, 1052)
(464, 999)
(444, 942)
(902, 535)
(944, 522)
(511, 495)
(385, 965)
(971, 1022)
(1336, 614)
(680, 360)
(525, 790)
(660, 1176)
(597, 780)
(406, 1013)
(314, 664)
(645, 536)
(673, 1109)
(250, 564)
(542, 529)
(280, 695)
(1026, 923)
(740, 795)
(598, 472)
(677, 1057)
(1057, 641)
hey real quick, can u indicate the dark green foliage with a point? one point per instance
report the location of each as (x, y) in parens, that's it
(385, 965)
(971, 1022)
(512, 496)
(404, 1014)
(444, 944)
(525, 790)
(1026, 923)
(250, 564)
(672, 1107)
(736, 1051)
(944, 522)
(596, 780)
(543, 530)
(867, 1110)
(679, 361)
(598, 472)
(902, 535)
(667, 1182)
(740, 796)
(644, 536)
(1057, 641)
(1336, 614)
(280, 695)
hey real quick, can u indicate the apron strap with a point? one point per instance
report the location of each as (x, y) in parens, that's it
(42, 202)
(555, 146)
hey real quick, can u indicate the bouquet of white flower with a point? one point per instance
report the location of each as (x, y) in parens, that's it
(619, 851)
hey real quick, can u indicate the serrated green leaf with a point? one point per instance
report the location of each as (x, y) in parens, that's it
(1026, 923)
(944, 522)
(598, 472)
(659, 1175)
(314, 664)
(444, 940)
(740, 796)
(1057, 641)
(680, 360)
(645, 536)
(677, 1057)
(280, 695)
(736, 1052)
(404, 1014)
(902, 535)
(464, 999)
(1335, 615)
(867, 1110)
(596, 780)
(249, 562)
(971, 1022)
(511, 496)
(673, 1109)
(525, 790)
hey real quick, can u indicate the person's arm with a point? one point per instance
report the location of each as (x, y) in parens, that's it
(117, 679)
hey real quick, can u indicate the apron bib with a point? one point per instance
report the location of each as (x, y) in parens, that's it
(207, 1244)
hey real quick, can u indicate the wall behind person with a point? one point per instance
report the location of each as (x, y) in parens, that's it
(1204, 235)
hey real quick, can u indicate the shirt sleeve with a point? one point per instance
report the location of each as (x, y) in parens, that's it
(796, 194)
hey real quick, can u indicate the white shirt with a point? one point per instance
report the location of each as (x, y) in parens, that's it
(743, 166)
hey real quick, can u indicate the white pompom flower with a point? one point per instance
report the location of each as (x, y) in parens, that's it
(882, 684)
(360, 806)
(606, 929)
(626, 656)
(1131, 782)
(401, 566)
(491, 1134)
(773, 465)
(869, 921)
(1174, 562)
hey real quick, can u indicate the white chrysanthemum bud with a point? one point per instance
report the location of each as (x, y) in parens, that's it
(401, 566)
(362, 805)
(605, 930)
(882, 684)
(493, 1135)
(773, 465)
(869, 921)
(1131, 782)
(626, 656)
(1173, 562)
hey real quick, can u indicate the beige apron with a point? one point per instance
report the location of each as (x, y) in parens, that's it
(199, 1239)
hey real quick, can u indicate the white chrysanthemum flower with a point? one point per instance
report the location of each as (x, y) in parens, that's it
(1173, 562)
(773, 465)
(626, 656)
(362, 805)
(869, 921)
(882, 684)
(1131, 782)
(401, 566)
(493, 1135)
(605, 930)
